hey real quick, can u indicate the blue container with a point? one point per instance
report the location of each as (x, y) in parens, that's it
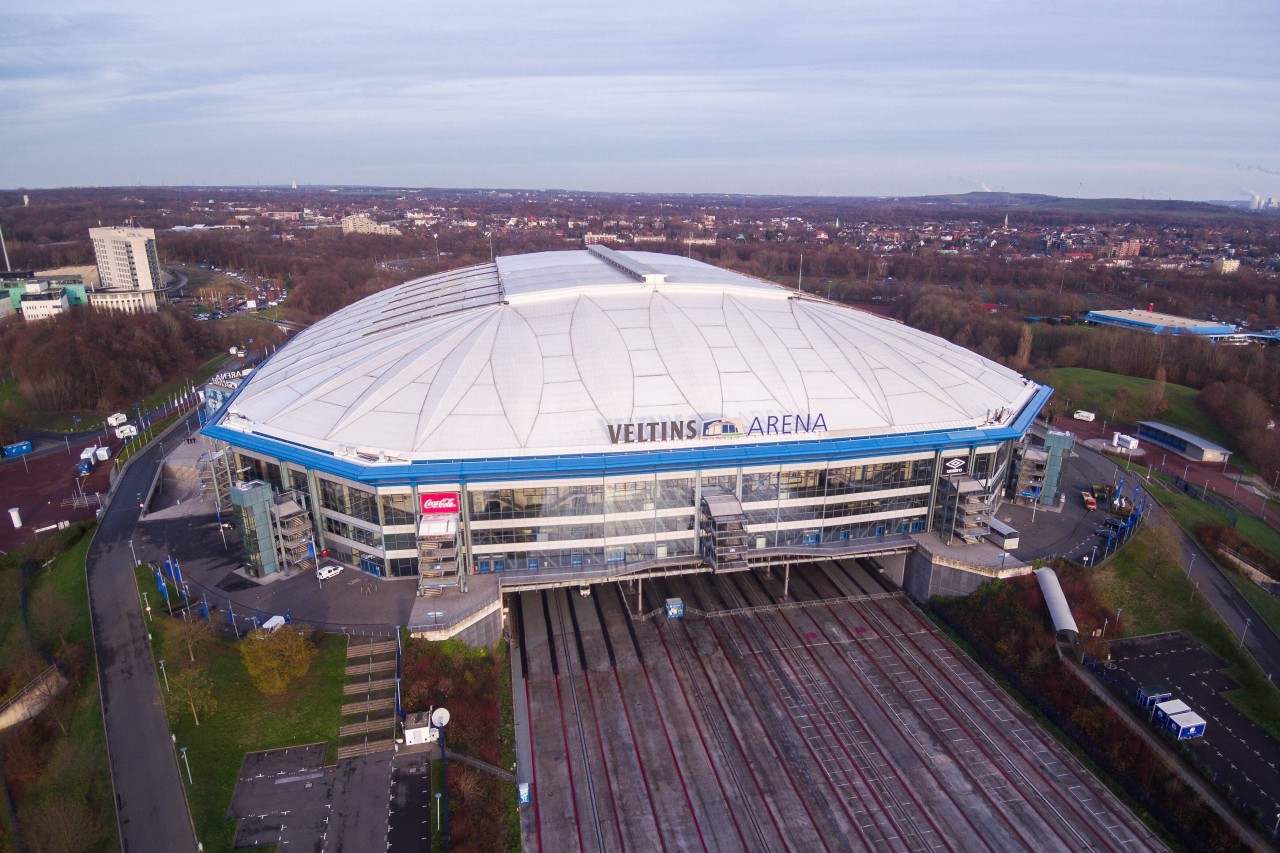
(1186, 725)
(675, 608)
(1150, 696)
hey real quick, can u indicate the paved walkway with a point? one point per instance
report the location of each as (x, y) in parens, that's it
(151, 803)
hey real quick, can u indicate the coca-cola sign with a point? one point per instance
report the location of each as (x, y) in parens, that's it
(439, 503)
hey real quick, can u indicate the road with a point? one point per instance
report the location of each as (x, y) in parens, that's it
(150, 803)
(1219, 592)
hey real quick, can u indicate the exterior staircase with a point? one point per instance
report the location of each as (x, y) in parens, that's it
(368, 712)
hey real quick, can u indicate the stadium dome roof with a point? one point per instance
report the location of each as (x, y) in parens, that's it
(555, 352)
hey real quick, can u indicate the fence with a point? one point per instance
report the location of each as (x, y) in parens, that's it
(1213, 499)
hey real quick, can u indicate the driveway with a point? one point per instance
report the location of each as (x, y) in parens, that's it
(150, 801)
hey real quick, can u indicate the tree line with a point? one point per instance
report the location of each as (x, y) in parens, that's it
(97, 360)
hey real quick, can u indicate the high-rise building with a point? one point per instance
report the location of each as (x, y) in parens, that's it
(128, 269)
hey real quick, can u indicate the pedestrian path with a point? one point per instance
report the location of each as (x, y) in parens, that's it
(368, 712)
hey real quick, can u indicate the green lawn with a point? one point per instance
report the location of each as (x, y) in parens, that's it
(245, 720)
(9, 391)
(1096, 391)
(1158, 597)
(1190, 513)
(72, 795)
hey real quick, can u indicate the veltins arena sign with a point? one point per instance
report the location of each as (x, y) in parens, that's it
(645, 431)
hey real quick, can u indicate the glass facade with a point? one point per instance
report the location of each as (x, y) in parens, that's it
(616, 521)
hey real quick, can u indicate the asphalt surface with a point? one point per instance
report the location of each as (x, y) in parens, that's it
(150, 801)
(1238, 750)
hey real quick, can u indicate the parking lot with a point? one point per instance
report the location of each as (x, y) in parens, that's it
(838, 718)
(1238, 751)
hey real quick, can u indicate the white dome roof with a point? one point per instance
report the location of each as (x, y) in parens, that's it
(543, 353)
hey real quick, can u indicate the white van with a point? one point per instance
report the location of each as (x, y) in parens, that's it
(275, 623)
(1082, 415)
(117, 419)
(126, 431)
(328, 570)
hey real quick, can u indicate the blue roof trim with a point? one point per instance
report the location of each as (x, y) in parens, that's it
(715, 455)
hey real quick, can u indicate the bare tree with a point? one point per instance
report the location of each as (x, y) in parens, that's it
(194, 689)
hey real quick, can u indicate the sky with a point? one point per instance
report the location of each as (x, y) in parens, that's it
(1136, 98)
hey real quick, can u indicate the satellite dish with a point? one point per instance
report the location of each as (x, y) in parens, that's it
(440, 717)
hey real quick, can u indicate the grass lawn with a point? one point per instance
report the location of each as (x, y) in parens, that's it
(1097, 391)
(245, 720)
(9, 391)
(1158, 597)
(1191, 513)
(72, 794)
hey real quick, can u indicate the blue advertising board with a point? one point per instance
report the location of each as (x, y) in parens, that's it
(18, 449)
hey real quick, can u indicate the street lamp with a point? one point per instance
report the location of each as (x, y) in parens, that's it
(1119, 610)
(1190, 564)
(183, 750)
(165, 674)
(134, 552)
(146, 604)
(1245, 632)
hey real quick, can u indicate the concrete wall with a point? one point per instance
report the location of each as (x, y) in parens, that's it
(893, 565)
(925, 579)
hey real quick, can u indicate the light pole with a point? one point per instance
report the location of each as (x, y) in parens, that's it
(1190, 564)
(134, 552)
(188, 764)
(1119, 610)
(1186, 470)
(1094, 559)
(1245, 632)
(165, 674)
(146, 604)
(438, 795)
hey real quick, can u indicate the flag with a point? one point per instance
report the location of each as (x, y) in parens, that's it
(204, 607)
(177, 573)
(288, 617)
(231, 614)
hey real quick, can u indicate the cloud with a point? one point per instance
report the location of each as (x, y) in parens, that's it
(562, 93)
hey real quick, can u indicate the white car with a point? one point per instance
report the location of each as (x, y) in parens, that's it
(328, 571)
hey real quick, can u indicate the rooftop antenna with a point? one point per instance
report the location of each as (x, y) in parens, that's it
(6, 252)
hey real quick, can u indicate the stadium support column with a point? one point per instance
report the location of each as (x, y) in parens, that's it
(639, 595)
(786, 579)
(464, 513)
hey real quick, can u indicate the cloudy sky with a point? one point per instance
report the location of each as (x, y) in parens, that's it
(1083, 98)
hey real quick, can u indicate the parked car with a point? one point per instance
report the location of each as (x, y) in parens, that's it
(329, 570)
